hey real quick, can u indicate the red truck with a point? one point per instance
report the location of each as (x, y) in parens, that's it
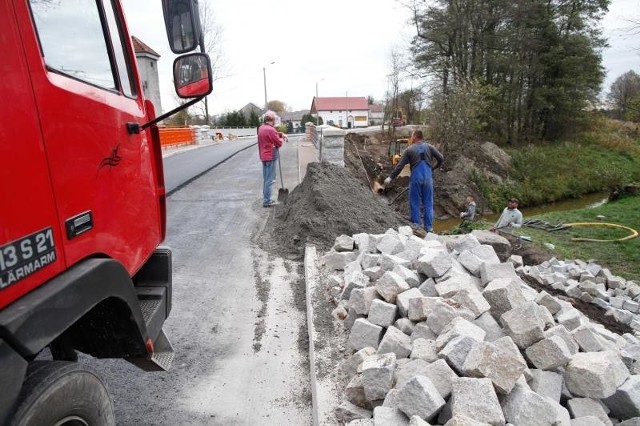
(83, 203)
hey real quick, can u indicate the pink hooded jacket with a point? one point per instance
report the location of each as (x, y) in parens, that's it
(268, 139)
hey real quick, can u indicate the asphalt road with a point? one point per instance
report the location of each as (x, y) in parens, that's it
(238, 321)
(184, 165)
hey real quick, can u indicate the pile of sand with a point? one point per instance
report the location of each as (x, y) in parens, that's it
(329, 202)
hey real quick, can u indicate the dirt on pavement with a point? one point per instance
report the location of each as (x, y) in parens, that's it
(329, 202)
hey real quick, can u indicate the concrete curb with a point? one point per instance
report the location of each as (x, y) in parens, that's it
(311, 282)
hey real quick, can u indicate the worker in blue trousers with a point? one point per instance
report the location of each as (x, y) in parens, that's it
(422, 158)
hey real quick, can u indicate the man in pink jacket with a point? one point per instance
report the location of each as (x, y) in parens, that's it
(269, 140)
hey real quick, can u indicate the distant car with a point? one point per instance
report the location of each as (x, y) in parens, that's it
(397, 122)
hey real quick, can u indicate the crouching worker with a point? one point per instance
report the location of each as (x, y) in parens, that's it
(510, 217)
(470, 212)
(468, 215)
(421, 157)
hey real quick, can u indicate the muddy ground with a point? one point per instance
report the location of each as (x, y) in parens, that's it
(452, 181)
(368, 158)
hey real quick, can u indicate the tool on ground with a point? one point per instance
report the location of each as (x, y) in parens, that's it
(503, 229)
(283, 192)
(398, 196)
(541, 224)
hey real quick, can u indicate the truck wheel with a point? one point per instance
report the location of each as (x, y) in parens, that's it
(63, 393)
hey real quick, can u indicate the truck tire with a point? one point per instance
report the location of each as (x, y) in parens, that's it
(63, 393)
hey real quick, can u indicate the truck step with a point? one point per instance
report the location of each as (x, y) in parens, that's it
(161, 358)
(163, 354)
(153, 305)
(149, 308)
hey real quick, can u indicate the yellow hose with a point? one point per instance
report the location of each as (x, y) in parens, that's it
(634, 233)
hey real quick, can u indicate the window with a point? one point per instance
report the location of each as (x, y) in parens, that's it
(121, 60)
(73, 41)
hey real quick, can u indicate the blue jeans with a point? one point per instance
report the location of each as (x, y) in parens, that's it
(421, 196)
(268, 176)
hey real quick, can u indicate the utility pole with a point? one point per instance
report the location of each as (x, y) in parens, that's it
(264, 75)
(317, 114)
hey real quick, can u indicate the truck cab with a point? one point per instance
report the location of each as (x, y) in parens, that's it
(83, 200)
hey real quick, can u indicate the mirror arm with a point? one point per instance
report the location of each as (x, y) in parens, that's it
(135, 128)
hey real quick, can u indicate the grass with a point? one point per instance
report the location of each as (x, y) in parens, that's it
(601, 159)
(621, 257)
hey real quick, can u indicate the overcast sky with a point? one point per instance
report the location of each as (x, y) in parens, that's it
(340, 46)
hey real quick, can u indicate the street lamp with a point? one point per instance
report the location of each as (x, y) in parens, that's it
(264, 74)
(317, 114)
(322, 79)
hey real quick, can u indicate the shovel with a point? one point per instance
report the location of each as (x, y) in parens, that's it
(283, 192)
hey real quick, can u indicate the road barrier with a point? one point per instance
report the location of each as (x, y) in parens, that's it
(176, 136)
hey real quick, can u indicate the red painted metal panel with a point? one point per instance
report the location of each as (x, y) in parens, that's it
(95, 165)
(27, 202)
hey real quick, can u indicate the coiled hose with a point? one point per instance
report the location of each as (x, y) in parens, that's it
(633, 234)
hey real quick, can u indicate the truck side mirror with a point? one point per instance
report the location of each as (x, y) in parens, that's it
(192, 75)
(182, 20)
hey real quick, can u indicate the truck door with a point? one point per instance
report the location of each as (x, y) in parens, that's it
(30, 239)
(82, 70)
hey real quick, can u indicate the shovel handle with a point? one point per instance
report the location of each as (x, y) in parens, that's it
(280, 169)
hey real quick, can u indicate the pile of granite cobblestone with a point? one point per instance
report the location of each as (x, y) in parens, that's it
(444, 330)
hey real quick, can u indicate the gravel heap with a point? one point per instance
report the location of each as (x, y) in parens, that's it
(329, 202)
(441, 331)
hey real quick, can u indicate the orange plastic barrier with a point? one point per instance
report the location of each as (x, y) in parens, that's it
(173, 136)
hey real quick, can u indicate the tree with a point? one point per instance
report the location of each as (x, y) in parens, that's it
(277, 106)
(179, 119)
(410, 102)
(624, 94)
(309, 118)
(212, 37)
(393, 85)
(455, 117)
(232, 119)
(254, 119)
(540, 55)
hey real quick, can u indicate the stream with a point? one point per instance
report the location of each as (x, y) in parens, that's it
(588, 201)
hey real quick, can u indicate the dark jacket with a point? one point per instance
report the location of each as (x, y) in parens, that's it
(412, 157)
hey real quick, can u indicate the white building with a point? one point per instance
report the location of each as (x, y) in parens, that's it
(345, 112)
(148, 67)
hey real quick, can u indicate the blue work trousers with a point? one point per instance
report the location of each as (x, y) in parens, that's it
(268, 176)
(421, 195)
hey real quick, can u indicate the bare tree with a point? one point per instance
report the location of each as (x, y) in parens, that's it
(624, 93)
(277, 106)
(212, 34)
(394, 78)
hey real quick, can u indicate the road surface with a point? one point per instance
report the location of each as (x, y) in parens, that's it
(188, 163)
(238, 321)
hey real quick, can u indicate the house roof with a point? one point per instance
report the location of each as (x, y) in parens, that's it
(248, 108)
(293, 115)
(376, 108)
(140, 47)
(339, 103)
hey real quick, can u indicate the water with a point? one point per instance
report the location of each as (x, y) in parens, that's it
(588, 201)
